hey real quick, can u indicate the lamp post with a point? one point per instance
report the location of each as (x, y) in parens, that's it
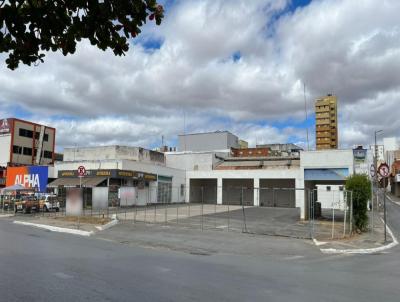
(375, 187)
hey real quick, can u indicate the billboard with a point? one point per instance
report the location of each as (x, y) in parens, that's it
(360, 155)
(5, 126)
(74, 203)
(34, 177)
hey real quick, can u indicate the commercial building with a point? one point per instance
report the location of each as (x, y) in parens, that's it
(30, 148)
(115, 169)
(259, 177)
(209, 141)
(26, 143)
(326, 123)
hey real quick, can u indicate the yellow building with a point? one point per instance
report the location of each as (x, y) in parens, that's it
(326, 136)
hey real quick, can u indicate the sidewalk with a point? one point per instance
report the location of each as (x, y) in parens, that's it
(366, 242)
(83, 223)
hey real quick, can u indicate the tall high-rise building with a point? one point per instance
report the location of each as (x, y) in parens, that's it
(326, 123)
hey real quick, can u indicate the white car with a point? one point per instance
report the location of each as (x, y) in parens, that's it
(49, 203)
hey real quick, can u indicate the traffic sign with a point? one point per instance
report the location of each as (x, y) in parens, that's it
(384, 170)
(81, 171)
(372, 170)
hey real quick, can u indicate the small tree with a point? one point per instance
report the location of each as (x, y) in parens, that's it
(360, 185)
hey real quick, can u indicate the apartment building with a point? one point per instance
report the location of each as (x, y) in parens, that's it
(326, 123)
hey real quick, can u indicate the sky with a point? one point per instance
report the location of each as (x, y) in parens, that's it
(234, 65)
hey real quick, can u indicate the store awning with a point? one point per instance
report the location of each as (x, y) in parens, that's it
(74, 182)
(326, 174)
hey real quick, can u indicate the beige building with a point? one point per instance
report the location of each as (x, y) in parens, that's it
(25, 143)
(326, 123)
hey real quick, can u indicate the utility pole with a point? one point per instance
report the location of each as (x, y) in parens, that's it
(305, 110)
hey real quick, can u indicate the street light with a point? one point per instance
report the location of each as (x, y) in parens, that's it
(376, 182)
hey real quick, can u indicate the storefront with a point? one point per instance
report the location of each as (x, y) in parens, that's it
(113, 179)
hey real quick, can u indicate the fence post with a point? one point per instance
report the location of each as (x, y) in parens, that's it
(333, 214)
(202, 209)
(351, 213)
(244, 227)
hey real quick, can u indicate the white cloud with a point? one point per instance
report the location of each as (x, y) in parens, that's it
(347, 47)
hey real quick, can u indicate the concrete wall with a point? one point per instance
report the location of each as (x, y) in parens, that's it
(114, 152)
(208, 141)
(201, 161)
(5, 142)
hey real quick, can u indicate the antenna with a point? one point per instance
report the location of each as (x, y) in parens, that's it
(305, 110)
(184, 128)
(162, 140)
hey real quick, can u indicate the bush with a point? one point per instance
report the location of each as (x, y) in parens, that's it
(360, 185)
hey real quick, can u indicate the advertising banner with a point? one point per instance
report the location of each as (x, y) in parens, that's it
(100, 198)
(74, 203)
(5, 126)
(127, 196)
(32, 177)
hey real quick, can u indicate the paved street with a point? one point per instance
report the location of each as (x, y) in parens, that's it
(36, 265)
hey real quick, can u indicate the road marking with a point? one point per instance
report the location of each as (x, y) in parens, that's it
(390, 198)
(63, 276)
(365, 251)
(55, 229)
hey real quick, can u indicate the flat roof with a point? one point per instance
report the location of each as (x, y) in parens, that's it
(210, 132)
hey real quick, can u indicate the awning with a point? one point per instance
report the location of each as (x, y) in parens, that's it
(74, 182)
(326, 174)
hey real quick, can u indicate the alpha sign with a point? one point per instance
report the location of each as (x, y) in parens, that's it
(31, 177)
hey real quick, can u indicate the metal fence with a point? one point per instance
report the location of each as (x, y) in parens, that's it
(275, 212)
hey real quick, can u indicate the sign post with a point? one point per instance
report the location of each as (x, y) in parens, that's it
(383, 171)
(81, 173)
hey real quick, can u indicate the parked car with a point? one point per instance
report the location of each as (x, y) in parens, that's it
(27, 204)
(49, 203)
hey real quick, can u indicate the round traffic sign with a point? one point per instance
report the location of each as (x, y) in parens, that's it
(384, 170)
(81, 171)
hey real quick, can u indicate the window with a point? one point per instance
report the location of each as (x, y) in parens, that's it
(48, 154)
(25, 133)
(45, 137)
(182, 189)
(17, 149)
(328, 188)
(27, 151)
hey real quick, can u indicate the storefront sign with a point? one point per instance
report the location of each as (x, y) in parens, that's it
(359, 155)
(112, 173)
(5, 126)
(33, 177)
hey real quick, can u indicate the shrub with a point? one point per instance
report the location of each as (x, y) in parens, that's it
(360, 185)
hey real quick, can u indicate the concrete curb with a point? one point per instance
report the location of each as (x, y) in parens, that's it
(365, 251)
(108, 225)
(55, 229)
(6, 215)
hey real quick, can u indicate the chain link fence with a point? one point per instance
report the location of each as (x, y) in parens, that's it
(328, 215)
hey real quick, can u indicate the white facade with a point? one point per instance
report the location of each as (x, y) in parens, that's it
(147, 193)
(391, 144)
(5, 145)
(194, 161)
(331, 197)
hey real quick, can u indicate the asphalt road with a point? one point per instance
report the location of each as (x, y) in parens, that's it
(36, 265)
